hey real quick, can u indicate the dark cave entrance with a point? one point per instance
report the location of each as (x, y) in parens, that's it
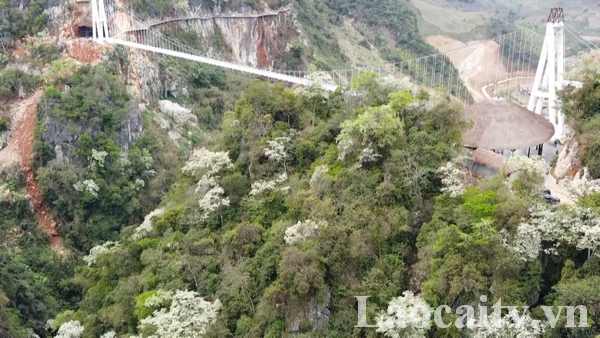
(85, 31)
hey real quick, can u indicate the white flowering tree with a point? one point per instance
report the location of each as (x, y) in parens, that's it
(109, 334)
(204, 159)
(453, 178)
(315, 94)
(189, 316)
(407, 316)
(274, 185)
(301, 231)
(512, 325)
(548, 229)
(87, 186)
(529, 173)
(210, 163)
(98, 250)
(277, 150)
(158, 299)
(526, 243)
(213, 200)
(70, 329)
(97, 159)
(579, 227)
(363, 138)
(146, 225)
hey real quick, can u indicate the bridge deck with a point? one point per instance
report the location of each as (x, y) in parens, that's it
(229, 65)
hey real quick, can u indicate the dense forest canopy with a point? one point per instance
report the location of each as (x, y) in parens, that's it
(231, 207)
(294, 209)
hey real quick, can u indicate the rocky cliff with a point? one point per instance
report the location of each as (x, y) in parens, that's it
(63, 136)
(254, 39)
(258, 39)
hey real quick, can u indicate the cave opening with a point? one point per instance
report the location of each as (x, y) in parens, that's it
(85, 31)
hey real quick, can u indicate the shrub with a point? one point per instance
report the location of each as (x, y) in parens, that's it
(15, 82)
(592, 159)
(4, 123)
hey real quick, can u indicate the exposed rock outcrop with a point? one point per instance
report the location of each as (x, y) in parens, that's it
(4, 138)
(252, 35)
(64, 136)
(143, 79)
(255, 41)
(569, 169)
(317, 315)
(567, 159)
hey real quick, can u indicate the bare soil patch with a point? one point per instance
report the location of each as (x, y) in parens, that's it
(481, 63)
(20, 148)
(85, 50)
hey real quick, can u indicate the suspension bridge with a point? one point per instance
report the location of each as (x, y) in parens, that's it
(522, 66)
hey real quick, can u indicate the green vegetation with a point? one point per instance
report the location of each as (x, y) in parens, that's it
(15, 83)
(4, 123)
(582, 108)
(318, 18)
(35, 283)
(43, 51)
(396, 16)
(100, 189)
(16, 23)
(280, 204)
(283, 205)
(246, 239)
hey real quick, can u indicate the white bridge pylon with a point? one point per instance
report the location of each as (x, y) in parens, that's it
(99, 20)
(549, 77)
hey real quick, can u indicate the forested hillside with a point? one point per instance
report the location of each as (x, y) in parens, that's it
(296, 202)
(190, 201)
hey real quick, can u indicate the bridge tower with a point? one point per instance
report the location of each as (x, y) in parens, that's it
(99, 20)
(549, 76)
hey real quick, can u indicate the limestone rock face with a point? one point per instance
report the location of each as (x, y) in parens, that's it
(576, 177)
(4, 138)
(172, 85)
(567, 159)
(132, 126)
(317, 315)
(251, 39)
(64, 136)
(238, 33)
(143, 75)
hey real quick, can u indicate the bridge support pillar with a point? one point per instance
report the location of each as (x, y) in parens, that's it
(549, 77)
(99, 20)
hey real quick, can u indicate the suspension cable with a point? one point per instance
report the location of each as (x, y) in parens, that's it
(576, 31)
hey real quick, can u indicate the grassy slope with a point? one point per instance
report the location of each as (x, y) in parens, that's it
(437, 17)
(454, 18)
